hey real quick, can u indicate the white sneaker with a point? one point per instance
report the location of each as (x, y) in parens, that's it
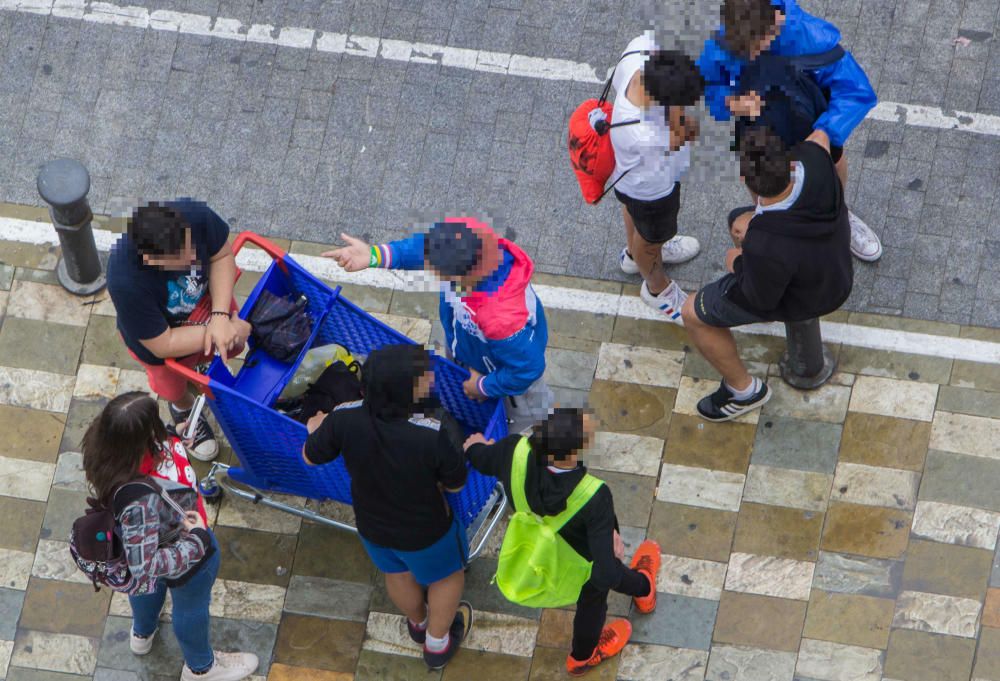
(139, 645)
(865, 244)
(227, 667)
(669, 301)
(677, 250)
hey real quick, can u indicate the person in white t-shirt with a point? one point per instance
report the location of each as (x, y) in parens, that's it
(652, 152)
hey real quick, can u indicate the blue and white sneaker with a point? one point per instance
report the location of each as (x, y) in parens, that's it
(670, 301)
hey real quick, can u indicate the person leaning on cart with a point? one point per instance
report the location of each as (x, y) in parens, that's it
(493, 322)
(400, 461)
(171, 255)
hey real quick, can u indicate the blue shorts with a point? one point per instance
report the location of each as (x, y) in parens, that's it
(447, 555)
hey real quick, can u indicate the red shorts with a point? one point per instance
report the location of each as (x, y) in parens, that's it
(167, 384)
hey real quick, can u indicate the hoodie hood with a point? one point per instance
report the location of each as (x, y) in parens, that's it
(549, 496)
(388, 378)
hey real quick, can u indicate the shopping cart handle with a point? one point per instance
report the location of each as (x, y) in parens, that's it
(200, 380)
(266, 245)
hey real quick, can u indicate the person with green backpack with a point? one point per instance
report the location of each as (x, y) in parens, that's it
(562, 544)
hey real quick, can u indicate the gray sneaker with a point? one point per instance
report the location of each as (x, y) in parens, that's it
(227, 667)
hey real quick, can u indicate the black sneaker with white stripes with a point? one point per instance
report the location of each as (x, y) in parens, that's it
(722, 405)
(204, 447)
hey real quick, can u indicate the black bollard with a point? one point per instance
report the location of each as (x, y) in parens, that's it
(63, 184)
(807, 363)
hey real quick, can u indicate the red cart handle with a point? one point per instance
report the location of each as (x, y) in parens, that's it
(272, 249)
(200, 380)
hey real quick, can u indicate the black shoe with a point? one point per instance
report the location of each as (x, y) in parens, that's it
(418, 635)
(459, 631)
(722, 406)
(205, 447)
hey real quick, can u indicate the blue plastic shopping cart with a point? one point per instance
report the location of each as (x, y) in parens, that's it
(269, 444)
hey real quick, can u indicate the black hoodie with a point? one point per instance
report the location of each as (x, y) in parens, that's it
(590, 532)
(396, 456)
(796, 263)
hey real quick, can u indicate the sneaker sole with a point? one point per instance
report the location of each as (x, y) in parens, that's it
(193, 453)
(868, 258)
(743, 410)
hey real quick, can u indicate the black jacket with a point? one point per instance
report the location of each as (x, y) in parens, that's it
(590, 532)
(796, 263)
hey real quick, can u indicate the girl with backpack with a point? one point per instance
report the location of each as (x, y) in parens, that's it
(576, 539)
(142, 473)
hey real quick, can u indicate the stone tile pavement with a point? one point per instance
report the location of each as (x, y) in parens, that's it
(848, 534)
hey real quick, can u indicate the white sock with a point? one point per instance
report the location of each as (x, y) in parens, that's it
(436, 645)
(747, 392)
(419, 625)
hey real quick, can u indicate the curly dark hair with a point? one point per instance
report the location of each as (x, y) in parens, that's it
(672, 78)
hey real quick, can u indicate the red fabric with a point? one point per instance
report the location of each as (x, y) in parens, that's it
(175, 467)
(502, 313)
(164, 382)
(590, 154)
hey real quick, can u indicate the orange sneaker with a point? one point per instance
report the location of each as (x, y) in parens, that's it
(613, 639)
(647, 561)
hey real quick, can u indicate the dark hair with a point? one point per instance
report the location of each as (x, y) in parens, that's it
(746, 22)
(116, 441)
(156, 229)
(558, 436)
(765, 162)
(672, 78)
(452, 248)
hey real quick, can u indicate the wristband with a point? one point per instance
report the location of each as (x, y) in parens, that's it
(376, 257)
(218, 312)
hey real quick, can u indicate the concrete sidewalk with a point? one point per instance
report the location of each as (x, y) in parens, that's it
(843, 535)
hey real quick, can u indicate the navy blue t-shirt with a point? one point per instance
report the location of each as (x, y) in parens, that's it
(148, 299)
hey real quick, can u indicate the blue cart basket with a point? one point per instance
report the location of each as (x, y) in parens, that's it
(269, 444)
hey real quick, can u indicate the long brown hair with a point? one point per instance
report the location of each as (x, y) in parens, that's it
(116, 441)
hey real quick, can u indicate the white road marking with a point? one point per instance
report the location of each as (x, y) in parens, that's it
(560, 298)
(421, 53)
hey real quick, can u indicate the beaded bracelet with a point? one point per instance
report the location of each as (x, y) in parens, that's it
(216, 312)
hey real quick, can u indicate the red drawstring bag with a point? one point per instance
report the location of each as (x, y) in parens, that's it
(590, 151)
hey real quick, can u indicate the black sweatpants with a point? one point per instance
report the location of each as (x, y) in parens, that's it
(592, 610)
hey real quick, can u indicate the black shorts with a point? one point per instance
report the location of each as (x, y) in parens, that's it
(714, 308)
(656, 221)
(836, 153)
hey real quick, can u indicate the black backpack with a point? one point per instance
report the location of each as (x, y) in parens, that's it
(280, 325)
(339, 383)
(793, 100)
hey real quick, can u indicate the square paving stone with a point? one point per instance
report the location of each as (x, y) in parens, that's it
(422, 305)
(549, 664)
(678, 621)
(947, 569)
(649, 334)
(631, 408)
(555, 630)
(257, 557)
(962, 480)
(63, 507)
(690, 531)
(851, 619)
(25, 674)
(103, 345)
(920, 656)
(866, 530)
(885, 441)
(64, 607)
(965, 374)
(793, 443)
(333, 645)
(897, 365)
(632, 494)
(858, 575)
(569, 368)
(587, 325)
(374, 666)
(32, 434)
(79, 417)
(328, 598)
(778, 531)
(11, 601)
(22, 521)
(991, 608)
(165, 657)
(475, 664)
(45, 346)
(969, 401)
(760, 621)
(333, 554)
(284, 672)
(988, 656)
(719, 446)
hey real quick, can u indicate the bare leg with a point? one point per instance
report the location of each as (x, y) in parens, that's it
(442, 598)
(185, 402)
(629, 228)
(649, 258)
(407, 595)
(718, 346)
(842, 170)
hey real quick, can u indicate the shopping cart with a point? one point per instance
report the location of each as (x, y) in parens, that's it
(269, 444)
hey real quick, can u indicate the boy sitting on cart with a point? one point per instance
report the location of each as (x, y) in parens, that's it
(171, 255)
(493, 322)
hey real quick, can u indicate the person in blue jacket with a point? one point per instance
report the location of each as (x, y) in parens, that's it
(493, 322)
(781, 27)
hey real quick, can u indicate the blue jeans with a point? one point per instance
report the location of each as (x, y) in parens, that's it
(190, 613)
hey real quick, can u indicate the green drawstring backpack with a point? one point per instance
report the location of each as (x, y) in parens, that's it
(537, 567)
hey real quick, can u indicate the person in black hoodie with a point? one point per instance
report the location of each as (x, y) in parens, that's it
(400, 462)
(792, 261)
(556, 444)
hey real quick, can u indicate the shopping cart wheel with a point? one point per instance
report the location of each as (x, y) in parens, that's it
(210, 489)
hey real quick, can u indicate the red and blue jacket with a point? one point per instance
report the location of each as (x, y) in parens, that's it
(498, 328)
(851, 95)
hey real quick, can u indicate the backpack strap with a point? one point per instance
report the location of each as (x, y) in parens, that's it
(130, 492)
(519, 475)
(812, 62)
(583, 492)
(607, 86)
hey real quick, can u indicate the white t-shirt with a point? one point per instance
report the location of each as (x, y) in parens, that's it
(798, 181)
(643, 149)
